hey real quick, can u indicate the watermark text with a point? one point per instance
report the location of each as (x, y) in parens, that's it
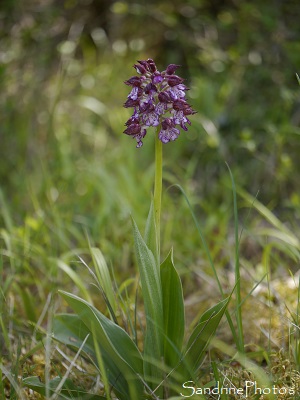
(190, 389)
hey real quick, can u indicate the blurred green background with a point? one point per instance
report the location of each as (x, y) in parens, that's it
(66, 170)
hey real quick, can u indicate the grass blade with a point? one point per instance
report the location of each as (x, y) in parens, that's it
(287, 235)
(240, 342)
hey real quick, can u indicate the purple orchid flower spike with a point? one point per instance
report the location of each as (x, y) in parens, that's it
(158, 99)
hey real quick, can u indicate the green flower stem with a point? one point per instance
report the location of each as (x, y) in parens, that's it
(158, 186)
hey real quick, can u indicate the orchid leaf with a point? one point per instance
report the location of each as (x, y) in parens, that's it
(200, 338)
(68, 392)
(71, 331)
(117, 348)
(152, 295)
(150, 234)
(104, 279)
(173, 306)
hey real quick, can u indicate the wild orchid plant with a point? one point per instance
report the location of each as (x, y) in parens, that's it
(166, 361)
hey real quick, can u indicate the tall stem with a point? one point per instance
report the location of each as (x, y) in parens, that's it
(158, 187)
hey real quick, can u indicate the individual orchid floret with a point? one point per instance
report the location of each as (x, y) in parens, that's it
(171, 69)
(158, 100)
(168, 131)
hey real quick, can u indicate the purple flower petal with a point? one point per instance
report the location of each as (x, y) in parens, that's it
(161, 108)
(150, 88)
(151, 118)
(168, 131)
(179, 117)
(133, 129)
(151, 64)
(157, 78)
(174, 80)
(134, 81)
(139, 137)
(140, 69)
(182, 105)
(131, 103)
(135, 93)
(171, 69)
(164, 97)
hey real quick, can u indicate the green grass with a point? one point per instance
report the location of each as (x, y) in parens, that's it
(41, 260)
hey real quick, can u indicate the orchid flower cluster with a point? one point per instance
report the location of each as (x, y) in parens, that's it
(158, 99)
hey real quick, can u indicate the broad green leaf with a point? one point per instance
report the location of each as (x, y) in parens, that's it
(68, 392)
(201, 337)
(70, 330)
(103, 277)
(173, 308)
(150, 234)
(152, 295)
(113, 342)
